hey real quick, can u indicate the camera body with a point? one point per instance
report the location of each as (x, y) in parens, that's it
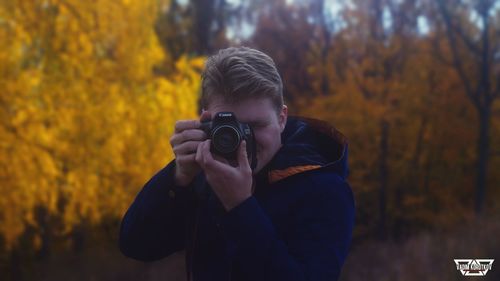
(226, 133)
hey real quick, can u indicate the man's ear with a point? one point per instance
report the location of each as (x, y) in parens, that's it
(282, 117)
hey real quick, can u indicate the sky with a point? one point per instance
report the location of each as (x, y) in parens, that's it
(333, 8)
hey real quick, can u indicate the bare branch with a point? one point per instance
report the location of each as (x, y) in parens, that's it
(438, 54)
(364, 90)
(457, 63)
(484, 85)
(467, 41)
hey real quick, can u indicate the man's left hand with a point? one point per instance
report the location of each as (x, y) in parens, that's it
(232, 185)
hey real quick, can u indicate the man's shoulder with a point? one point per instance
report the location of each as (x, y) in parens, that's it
(320, 193)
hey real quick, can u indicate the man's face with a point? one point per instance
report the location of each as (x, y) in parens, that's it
(267, 125)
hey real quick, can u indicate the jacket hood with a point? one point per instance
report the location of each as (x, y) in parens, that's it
(308, 144)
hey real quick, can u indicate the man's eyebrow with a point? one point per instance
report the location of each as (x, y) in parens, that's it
(257, 122)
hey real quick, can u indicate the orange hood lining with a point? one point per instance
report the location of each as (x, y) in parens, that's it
(276, 175)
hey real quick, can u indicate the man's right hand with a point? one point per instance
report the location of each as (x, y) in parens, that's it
(184, 142)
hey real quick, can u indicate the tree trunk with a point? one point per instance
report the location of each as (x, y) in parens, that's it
(78, 238)
(204, 17)
(383, 170)
(483, 150)
(42, 218)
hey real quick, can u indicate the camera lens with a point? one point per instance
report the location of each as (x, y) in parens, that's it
(226, 139)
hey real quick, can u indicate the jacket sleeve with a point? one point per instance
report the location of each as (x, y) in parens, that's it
(154, 225)
(317, 242)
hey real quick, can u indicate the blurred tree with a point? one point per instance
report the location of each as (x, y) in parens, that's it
(387, 92)
(282, 32)
(195, 27)
(298, 36)
(381, 41)
(472, 29)
(84, 119)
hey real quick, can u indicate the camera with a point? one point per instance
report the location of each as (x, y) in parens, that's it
(226, 133)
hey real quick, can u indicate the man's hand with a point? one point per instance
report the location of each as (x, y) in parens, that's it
(232, 185)
(184, 142)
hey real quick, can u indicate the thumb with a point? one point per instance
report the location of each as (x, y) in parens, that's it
(242, 155)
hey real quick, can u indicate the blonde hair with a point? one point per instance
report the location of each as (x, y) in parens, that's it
(238, 73)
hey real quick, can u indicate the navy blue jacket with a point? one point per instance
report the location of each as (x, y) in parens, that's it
(297, 225)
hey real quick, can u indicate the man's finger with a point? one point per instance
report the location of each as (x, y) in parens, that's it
(206, 154)
(187, 147)
(182, 125)
(208, 159)
(242, 156)
(221, 159)
(188, 135)
(186, 159)
(198, 156)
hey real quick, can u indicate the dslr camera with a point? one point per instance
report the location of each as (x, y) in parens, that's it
(226, 133)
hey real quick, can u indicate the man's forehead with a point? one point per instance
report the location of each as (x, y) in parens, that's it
(251, 110)
(253, 119)
(247, 116)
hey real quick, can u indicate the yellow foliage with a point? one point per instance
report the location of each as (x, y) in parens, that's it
(84, 120)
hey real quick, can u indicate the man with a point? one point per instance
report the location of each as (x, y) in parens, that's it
(291, 218)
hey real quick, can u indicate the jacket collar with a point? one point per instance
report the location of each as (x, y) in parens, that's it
(307, 144)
